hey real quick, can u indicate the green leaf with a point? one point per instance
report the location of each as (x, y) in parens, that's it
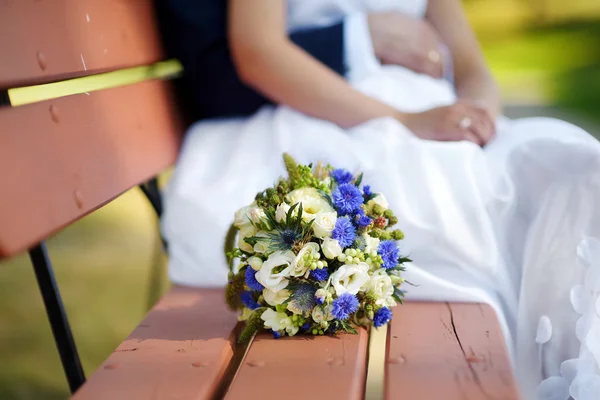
(359, 180)
(326, 196)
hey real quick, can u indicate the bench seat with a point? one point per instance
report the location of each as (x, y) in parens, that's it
(185, 349)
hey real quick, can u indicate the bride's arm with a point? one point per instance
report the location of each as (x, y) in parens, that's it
(269, 62)
(473, 79)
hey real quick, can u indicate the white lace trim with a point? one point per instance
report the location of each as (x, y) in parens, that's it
(579, 377)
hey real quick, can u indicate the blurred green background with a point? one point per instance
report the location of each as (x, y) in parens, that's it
(109, 266)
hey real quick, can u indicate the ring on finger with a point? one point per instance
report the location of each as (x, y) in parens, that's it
(434, 56)
(465, 123)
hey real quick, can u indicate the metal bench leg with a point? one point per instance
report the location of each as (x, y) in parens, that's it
(57, 316)
(152, 192)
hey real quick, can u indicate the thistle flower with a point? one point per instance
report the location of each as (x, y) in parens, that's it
(302, 299)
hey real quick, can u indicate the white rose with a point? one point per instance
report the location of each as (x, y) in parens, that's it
(312, 202)
(371, 243)
(380, 200)
(331, 248)
(380, 285)
(350, 278)
(324, 224)
(275, 298)
(255, 262)
(299, 266)
(241, 217)
(274, 320)
(320, 314)
(276, 281)
(281, 212)
(246, 232)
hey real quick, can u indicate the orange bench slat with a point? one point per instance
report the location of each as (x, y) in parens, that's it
(42, 39)
(62, 159)
(180, 351)
(447, 351)
(293, 368)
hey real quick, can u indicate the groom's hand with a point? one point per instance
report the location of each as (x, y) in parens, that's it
(403, 40)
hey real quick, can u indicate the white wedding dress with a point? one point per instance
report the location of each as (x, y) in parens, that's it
(514, 225)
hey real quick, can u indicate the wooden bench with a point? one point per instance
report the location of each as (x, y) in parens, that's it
(62, 157)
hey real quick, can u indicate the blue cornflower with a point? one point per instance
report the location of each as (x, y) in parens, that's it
(344, 305)
(347, 199)
(251, 281)
(341, 176)
(344, 232)
(364, 221)
(319, 274)
(248, 300)
(367, 190)
(305, 327)
(276, 335)
(382, 317)
(389, 253)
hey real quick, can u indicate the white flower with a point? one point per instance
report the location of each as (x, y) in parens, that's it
(274, 320)
(300, 267)
(320, 314)
(312, 202)
(276, 281)
(324, 224)
(246, 232)
(380, 285)
(289, 326)
(380, 200)
(275, 298)
(331, 248)
(246, 215)
(281, 212)
(255, 262)
(350, 278)
(372, 243)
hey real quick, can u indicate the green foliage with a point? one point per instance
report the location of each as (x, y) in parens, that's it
(253, 324)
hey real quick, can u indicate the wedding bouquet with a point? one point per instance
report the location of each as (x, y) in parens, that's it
(315, 255)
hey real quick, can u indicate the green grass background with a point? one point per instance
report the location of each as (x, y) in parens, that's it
(109, 265)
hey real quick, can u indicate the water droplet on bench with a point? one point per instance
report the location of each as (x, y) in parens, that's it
(54, 113)
(200, 364)
(397, 360)
(78, 198)
(256, 363)
(553, 388)
(544, 330)
(41, 59)
(112, 366)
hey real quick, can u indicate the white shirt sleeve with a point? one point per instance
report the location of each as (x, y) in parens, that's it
(360, 56)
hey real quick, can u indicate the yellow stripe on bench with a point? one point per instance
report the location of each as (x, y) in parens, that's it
(32, 94)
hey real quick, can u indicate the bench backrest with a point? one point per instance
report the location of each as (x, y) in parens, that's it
(62, 158)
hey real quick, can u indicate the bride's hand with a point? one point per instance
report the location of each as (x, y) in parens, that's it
(460, 121)
(403, 40)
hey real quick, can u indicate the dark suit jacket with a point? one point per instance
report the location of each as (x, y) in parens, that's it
(195, 33)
